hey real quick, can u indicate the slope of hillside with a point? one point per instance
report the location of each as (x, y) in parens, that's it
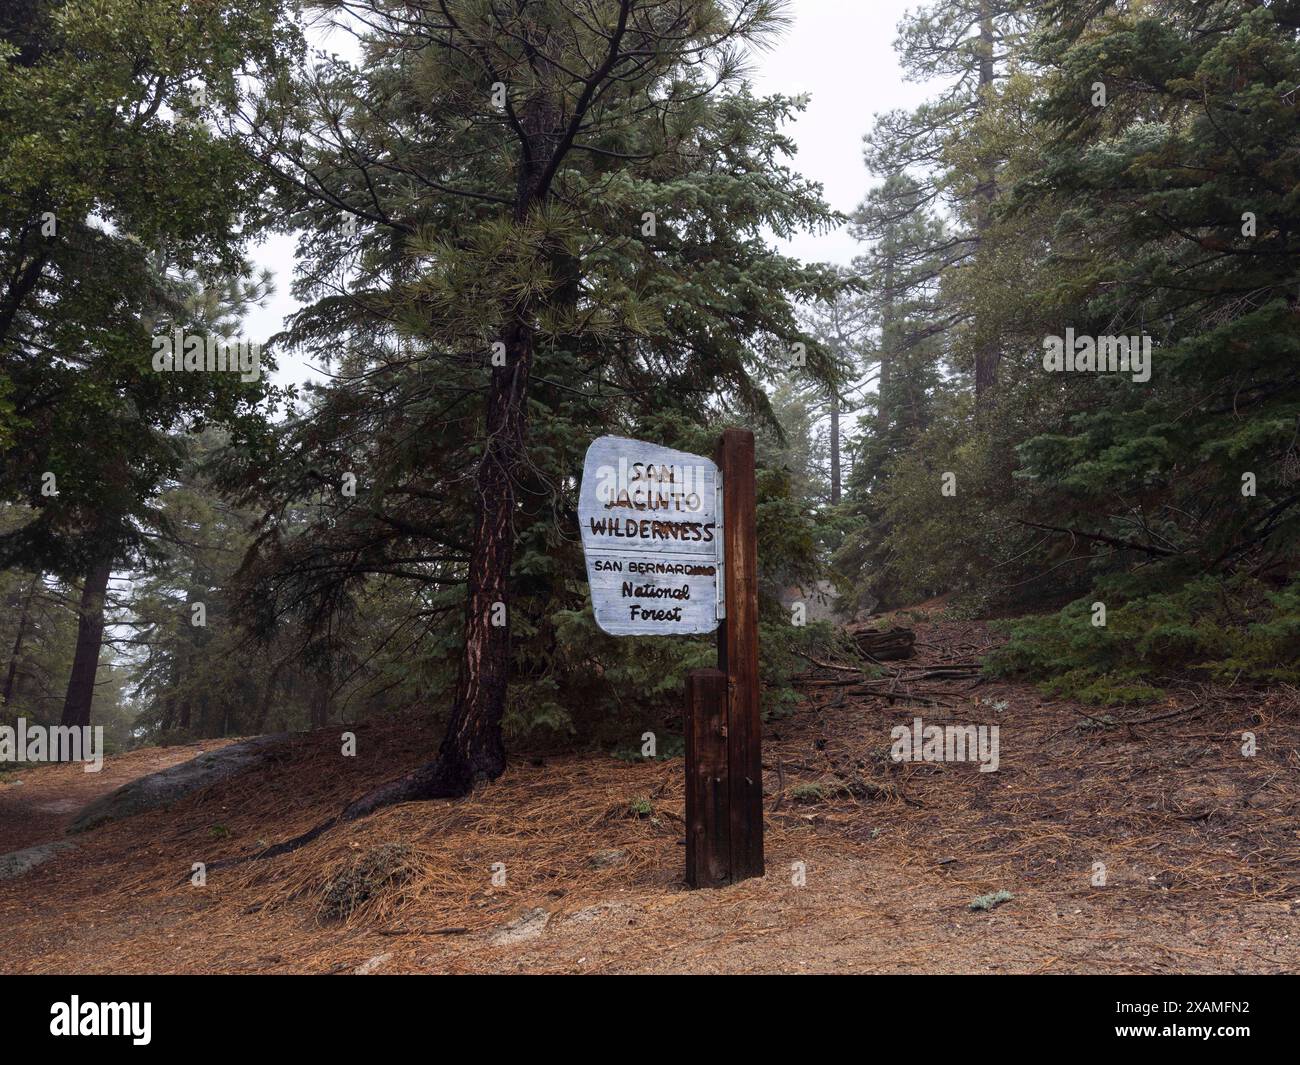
(574, 863)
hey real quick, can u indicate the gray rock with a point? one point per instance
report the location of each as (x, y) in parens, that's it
(15, 863)
(603, 859)
(368, 967)
(528, 925)
(602, 910)
(167, 786)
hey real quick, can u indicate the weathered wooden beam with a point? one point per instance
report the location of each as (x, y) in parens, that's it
(738, 652)
(708, 825)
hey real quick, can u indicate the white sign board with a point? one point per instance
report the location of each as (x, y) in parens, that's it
(651, 522)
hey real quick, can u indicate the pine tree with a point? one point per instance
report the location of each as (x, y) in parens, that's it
(937, 156)
(569, 237)
(88, 182)
(1171, 166)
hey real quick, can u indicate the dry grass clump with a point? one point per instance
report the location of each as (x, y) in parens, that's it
(374, 873)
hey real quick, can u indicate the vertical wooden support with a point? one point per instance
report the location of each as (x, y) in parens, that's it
(738, 652)
(708, 827)
(724, 759)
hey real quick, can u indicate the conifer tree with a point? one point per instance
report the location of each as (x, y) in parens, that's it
(552, 216)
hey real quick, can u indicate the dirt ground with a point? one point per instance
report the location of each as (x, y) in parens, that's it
(38, 802)
(872, 864)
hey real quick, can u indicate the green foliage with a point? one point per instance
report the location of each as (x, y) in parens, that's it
(1235, 629)
(640, 807)
(808, 793)
(988, 902)
(666, 335)
(1167, 212)
(111, 210)
(1008, 209)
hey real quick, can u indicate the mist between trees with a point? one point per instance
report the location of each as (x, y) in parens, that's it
(523, 226)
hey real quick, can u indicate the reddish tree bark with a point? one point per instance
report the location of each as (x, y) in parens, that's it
(90, 638)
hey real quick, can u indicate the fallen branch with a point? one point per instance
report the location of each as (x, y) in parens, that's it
(1112, 541)
(910, 697)
(829, 665)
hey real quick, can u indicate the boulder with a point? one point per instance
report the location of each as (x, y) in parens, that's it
(162, 789)
(15, 863)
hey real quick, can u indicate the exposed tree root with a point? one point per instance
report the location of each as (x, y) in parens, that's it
(440, 779)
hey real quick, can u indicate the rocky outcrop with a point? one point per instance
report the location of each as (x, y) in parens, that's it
(162, 789)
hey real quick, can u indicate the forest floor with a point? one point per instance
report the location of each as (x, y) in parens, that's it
(1201, 848)
(38, 802)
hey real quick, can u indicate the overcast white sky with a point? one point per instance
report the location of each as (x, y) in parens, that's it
(840, 52)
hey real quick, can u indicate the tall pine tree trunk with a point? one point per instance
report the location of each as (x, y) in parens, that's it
(883, 398)
(472, 748)
(90, 638)
(320, 702)
(24, 619)
(835, 448)
(472, 745)
(268, 691)
(987, 352)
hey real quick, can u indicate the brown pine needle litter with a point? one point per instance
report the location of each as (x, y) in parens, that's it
(574, 862)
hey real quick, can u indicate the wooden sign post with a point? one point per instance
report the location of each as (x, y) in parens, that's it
(724, 761)
(671, 548)
(708, 795)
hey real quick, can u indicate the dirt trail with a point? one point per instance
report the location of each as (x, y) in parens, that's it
(37, 802)
(872, 864)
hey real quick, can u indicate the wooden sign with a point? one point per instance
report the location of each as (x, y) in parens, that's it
(652, 535)
(672, 548)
